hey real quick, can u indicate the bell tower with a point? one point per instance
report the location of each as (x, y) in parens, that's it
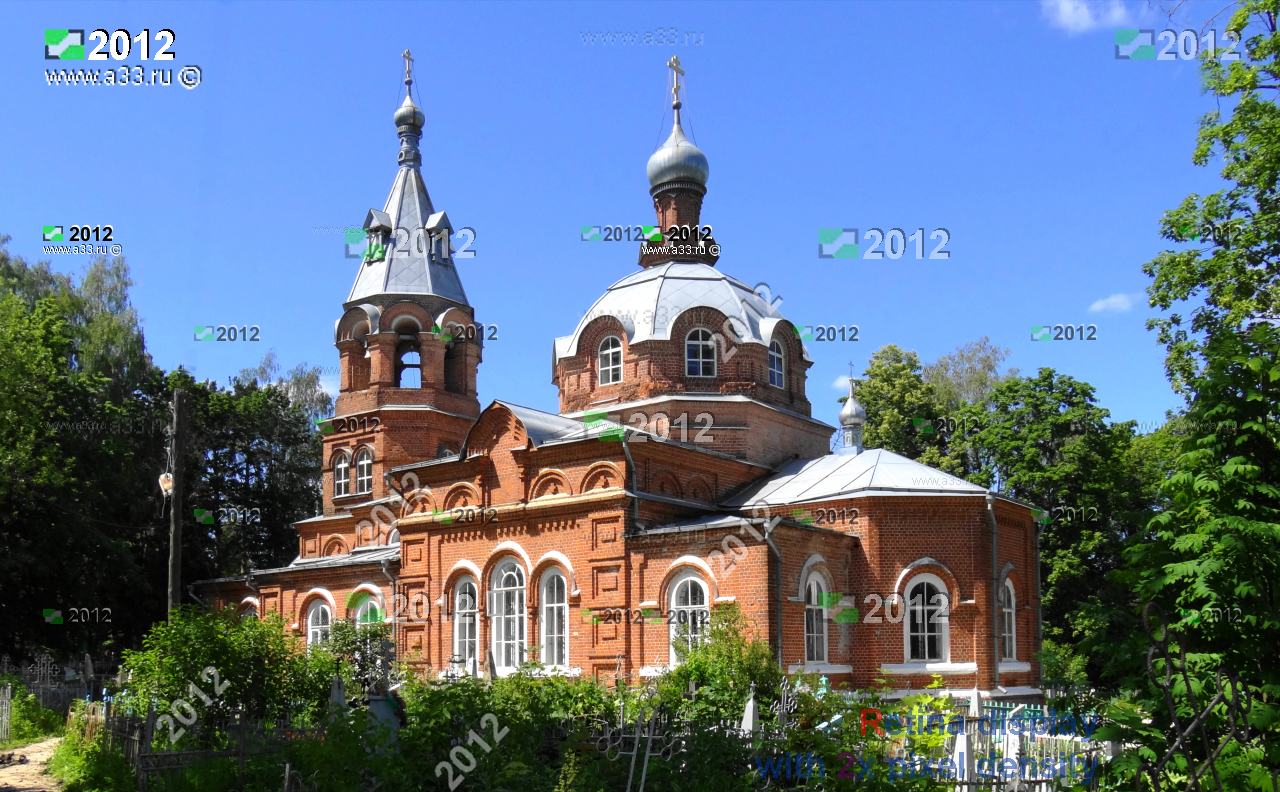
(407, 339)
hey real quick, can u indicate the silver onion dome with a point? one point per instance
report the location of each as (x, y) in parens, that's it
(409, 114)
(852, 413)
(678, 160)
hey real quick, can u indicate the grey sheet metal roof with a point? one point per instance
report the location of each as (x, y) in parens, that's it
(648, 302)
(842, 474)
(544, 427)
(361, 555)
(412, 265)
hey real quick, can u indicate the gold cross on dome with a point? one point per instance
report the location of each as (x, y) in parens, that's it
(408, 66)
(676, 72)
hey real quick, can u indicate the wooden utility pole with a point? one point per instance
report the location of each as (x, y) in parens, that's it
(176, 441)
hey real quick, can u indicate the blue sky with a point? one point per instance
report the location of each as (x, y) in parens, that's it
(1010, 124)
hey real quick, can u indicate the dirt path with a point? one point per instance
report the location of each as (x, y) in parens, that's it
(30, 777)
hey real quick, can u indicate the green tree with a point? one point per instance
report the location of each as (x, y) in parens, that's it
(902, 409)
(968, 375)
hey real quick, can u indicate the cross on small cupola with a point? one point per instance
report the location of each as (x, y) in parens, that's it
(676, 73)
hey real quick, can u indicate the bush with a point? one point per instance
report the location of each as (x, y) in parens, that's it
(28, 721)
(86, 765)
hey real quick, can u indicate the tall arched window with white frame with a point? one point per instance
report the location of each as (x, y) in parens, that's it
(815, 622)
(699, 353)
(508, 623)
(610, 361)
(777, 365)
(926, 632)
(1008, 622)
(319, 621)
(342, 475)
(466, 620)
(364, 472)
(689, 614)
(554, 620)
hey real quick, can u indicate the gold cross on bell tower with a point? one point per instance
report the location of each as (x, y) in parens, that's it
(676, 72)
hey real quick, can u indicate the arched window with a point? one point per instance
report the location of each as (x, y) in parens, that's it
(364, 610)
(776, 370)
(507, 607)
(699, 354)
(408, 364)
(1008, 624)
(610, 361)
(319, 619)
(926, 622)
(342, 475)
(394, 536)
(689, 614)
(815, 622)
(364, 472)
(249, 611)
(465, 620)
(555, 621)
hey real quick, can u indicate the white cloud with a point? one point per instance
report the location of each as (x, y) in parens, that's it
(1080, 16)
(841, 383)
(1117, 302)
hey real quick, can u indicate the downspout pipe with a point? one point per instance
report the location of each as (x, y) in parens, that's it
(995, 584)
(391, 579)
(631, 517)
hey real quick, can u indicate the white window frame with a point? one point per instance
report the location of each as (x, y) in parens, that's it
(507, 634)
(694, 621)
(366, 603)
(705, 341)
(319, 623)
(609, 361)
(466, 623)
(364, 465)
(815, 619)
(1007, 604)
(942, 622)
(342, 475)
(776, 353)
(554, 621)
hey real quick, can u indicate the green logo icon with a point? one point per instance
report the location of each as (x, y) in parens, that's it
(52, 616)
(52, 233)
(204, 333)
(838, 243)
(830, 599)
(806, 334)
(652, 615)
(353, 235)
(1041, 333)
(1191, 616)
(799, 516)
(438, 330)
(651, 233)
(922, 425)
(445, 519)
(1042, 516)
(1130, 44)
(204, 516)
(848, 615)
(325, 426)
(593, 419)
(63, 44)
(591, 233)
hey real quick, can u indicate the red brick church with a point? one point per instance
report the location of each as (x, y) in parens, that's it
(684, 470)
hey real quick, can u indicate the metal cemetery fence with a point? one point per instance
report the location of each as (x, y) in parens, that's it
(6, 701)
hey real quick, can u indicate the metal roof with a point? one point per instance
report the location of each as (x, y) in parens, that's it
(648, 302)
(412, 266)
(361, 555)
(843, 474)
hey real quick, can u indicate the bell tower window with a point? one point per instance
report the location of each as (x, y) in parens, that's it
(776, 370)
(455, 367)
(408, 365)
